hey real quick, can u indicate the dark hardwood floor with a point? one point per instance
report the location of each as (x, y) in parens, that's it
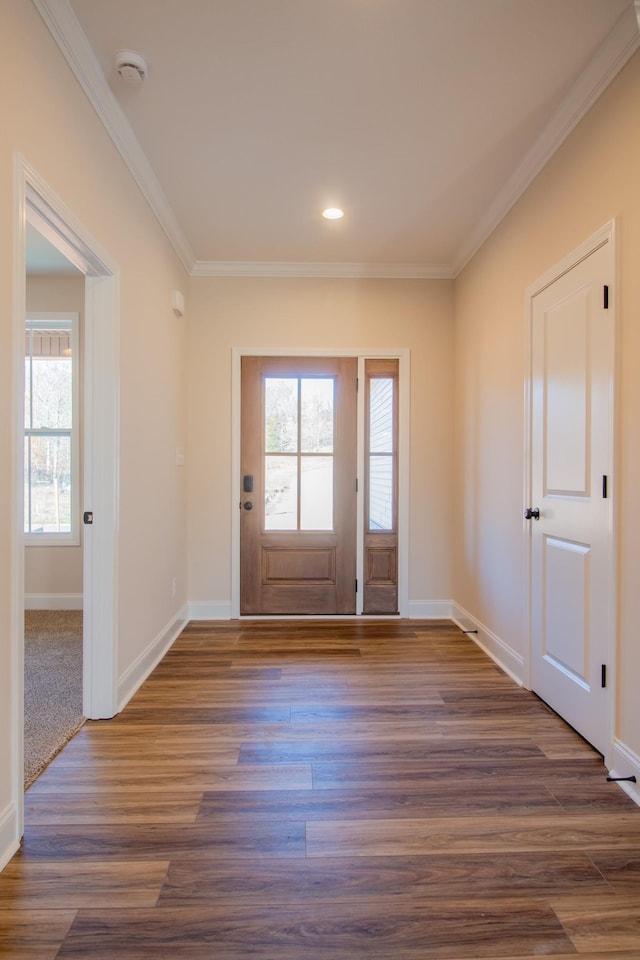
(312, 790)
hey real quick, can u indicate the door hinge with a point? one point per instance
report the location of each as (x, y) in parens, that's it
(356, 586)
(356, 484)
(603, 675)
(605, 486)
(87, 517)
(605, 299)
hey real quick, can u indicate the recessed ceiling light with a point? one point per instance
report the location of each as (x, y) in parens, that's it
(332, 213)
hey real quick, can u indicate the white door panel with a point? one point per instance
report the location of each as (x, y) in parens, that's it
(566, 615)
(565, 399)
(571, 582)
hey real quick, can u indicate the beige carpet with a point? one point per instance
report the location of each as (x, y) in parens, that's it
(52, 685)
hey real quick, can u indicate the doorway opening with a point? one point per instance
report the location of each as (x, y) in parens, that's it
(39, 207)
(53, 562)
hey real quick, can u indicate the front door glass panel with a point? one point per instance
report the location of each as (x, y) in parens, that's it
(280, 493)
(299, 419)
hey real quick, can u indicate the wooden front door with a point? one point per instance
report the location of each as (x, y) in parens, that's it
(298, 485)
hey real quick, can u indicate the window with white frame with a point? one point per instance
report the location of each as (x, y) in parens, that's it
(51, 471)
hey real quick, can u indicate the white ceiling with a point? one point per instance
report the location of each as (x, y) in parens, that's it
(423, 119)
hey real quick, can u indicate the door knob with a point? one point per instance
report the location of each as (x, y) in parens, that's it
(532, 513)
(247, 505)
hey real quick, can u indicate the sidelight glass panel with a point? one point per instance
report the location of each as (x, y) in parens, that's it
(380, 493)
(281, 493)
(381, 449)
(316, 404)
(316, 493)
(281, 414)
(381, 415)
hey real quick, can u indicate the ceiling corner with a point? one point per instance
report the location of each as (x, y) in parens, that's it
(68, 34)
(620, 44)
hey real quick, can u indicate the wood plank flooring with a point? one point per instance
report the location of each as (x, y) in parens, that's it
(311, 790)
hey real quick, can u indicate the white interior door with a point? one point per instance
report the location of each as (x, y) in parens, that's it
(571, 542)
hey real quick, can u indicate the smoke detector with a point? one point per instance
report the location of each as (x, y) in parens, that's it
(130, 66)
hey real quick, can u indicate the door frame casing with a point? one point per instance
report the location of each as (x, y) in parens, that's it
(403, 357)
(604, 237)
(36, 202)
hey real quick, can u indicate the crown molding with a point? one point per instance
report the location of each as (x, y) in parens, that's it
(68, 34)
(281, 268)
(620, 44)
(610, 57)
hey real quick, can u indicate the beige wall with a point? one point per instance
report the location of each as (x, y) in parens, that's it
(332, 314)
(55, 570)
(47, 119)
(592, 179)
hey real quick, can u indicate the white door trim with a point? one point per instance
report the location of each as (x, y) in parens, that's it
(605, 236)
(37, 203)
(403, 356)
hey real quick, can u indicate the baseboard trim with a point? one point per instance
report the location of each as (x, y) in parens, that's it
(9, 840)
(208, 610)
(417, 610)
(625, 763)
(500, 652)
(53, 601)
(429, 609)
(133, 678)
